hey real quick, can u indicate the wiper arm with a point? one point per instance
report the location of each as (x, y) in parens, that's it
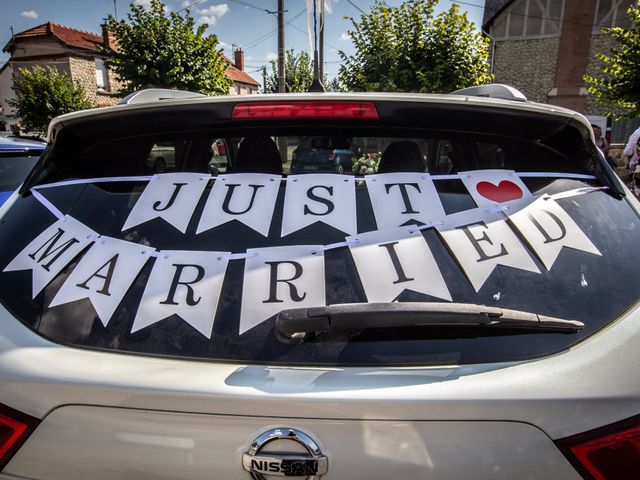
(292, 325)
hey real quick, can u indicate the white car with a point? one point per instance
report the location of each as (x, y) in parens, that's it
(466, 309)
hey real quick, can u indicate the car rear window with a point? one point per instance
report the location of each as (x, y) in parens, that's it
(309, 214)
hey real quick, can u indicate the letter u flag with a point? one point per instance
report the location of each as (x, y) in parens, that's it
(172, 197)
(249, 198)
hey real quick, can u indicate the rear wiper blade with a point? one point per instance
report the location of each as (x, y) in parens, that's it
(294, 324)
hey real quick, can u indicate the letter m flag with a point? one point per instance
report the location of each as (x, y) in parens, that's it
(51, 251)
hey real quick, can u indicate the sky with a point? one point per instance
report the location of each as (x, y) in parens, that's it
(240, 23)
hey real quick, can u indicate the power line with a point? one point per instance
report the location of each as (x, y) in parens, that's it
(361, 11)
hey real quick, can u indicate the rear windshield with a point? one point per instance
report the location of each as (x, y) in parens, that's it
(191, 242)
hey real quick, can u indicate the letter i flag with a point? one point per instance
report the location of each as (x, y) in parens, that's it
(52, 250)
(249, 198)
(489, 187)
(279, 278)
(172, 197)
(480, 241)
(394, 260)
(548, 228)
(186, 284)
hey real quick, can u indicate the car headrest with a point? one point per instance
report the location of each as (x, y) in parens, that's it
(401, 157)
(258, 154)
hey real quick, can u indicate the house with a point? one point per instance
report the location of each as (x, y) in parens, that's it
(243, 83)
(545, 47)
(77, 53)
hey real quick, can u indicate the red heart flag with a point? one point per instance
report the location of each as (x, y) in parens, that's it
(503, 192)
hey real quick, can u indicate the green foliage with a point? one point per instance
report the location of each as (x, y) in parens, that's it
(334, 85)
(298, 73)
(45, 93)
(619, 82)
(406, 49)
(156, 50)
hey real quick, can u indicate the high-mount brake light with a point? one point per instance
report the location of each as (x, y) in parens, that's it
(607, 453)
(321, 110)
(15, 427)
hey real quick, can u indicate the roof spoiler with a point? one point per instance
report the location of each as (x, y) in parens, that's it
(156, 94)
(493, 90)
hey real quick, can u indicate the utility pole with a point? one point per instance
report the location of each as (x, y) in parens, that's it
(115, 9)
(280, 46)
(321, 46)
(264, 79)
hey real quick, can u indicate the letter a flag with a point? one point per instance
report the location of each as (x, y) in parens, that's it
(186, 284)
(170, 196)
(249, 198)
(279, 278)
(403, 198)
(312, 198)
(548, 228)
(481, 241)
(52, 250)
(489, 187)
(394, 260)
(103, 275)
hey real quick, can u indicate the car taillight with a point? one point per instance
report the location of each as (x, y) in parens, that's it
(606, 453)
(15, 427)
(328, 110)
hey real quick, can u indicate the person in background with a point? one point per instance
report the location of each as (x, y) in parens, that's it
(630, 149)
(602, 144)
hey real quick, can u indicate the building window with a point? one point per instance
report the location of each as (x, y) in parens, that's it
(529, 18)
(612, 13)
(102, 80)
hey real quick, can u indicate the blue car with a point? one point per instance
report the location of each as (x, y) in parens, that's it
(323, 155)
(17, 158)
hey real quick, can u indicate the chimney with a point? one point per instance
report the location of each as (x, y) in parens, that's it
(107, 37)
(239, 59)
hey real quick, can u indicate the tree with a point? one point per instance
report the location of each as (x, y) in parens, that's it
(619, 82)
(298, 73)
(406, 49)
(45, 93)
(156, 50)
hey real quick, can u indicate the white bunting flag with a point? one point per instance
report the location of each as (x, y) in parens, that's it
(403, 198)
(170, 196)
(280, 278)
(52, 250)
(183, 283)
(249, 198)
(548, 228)
(489, 187)
(104, 275)
(312, 198)
(394, 260)
(481, 241)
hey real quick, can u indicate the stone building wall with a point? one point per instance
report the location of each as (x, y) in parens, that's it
(603, 44)
(528, 65)
(83, 72)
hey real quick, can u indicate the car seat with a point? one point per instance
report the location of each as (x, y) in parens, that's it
(258, 154)
(401, 157)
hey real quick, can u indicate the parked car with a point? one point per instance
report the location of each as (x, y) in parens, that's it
(467, 310)
(17, 158)
(323, 154)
